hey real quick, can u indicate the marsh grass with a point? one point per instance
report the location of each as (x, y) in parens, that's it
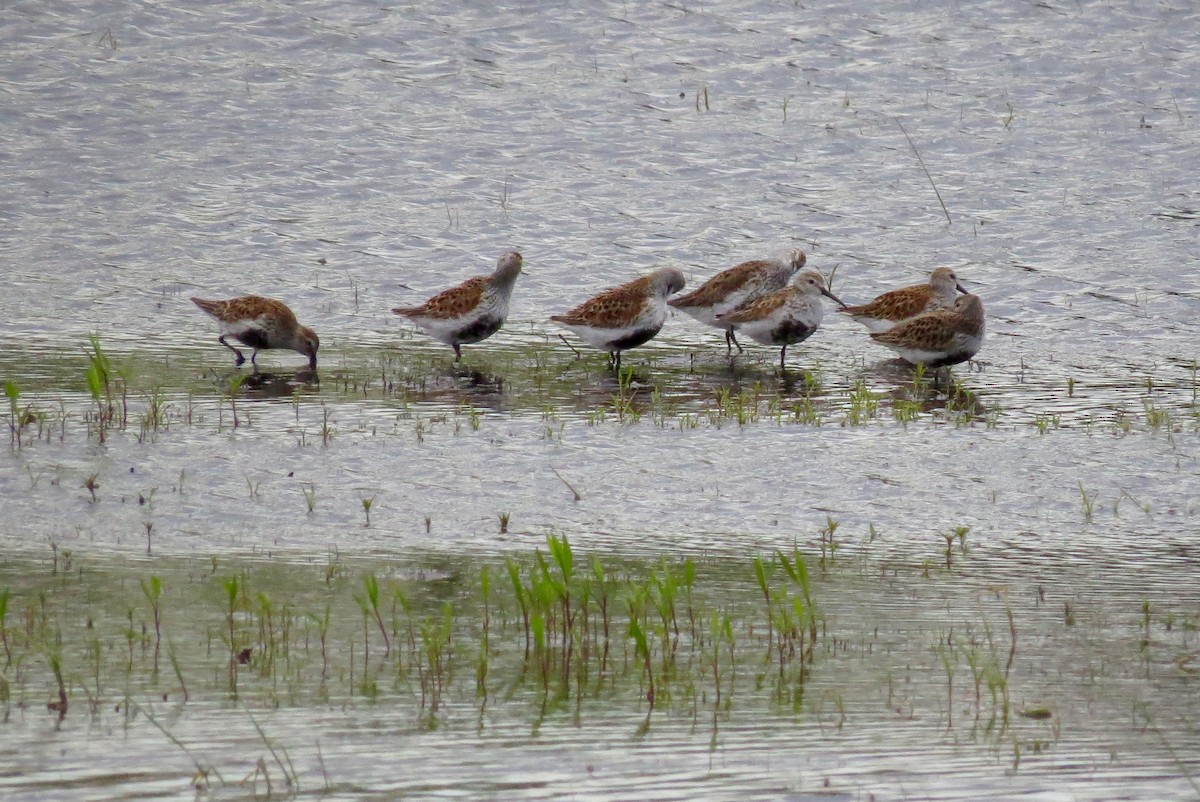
(142, 400)
(5, 595)
(91, 483)
(863, 405)
(152, 590)
(99, 379)
(549, 631)
(1088, 503)
(12, 392)
(369, 602)
(229, 392)
(558, 622)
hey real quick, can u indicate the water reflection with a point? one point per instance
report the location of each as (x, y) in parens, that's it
(627, 391)
(453, 384)
(266, 385)
(916, 390)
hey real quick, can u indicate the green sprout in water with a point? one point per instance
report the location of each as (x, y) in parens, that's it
(4, 596)
(1011, 115)
(97, 378)
(1088, 502)
(949, 536)
(91, 484)
(642, 648)
(863, 405)
(958, 533)
(152, 590)
(371, 590)
(233, 588)
(13, 393)
(828, 543)
(231, 391)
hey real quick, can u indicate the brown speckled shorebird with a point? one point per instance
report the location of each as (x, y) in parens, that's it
(469, 312)
(736, 287)
(786, 317)
(624, 317)
(261, 324)
(938, 338)
(894, 306)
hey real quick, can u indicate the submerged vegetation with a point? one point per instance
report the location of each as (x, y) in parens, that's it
(561, 627)
(136, 395)
(548, 635)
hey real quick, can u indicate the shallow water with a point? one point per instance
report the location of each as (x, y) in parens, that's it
(348, 158)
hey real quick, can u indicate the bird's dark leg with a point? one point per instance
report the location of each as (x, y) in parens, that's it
(457, 353)
(730, 337)
(782, 352)
(616, 361)
(240, 359)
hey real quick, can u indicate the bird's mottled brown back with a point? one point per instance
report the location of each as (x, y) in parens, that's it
(896, 304)
(249, 307)
(718, 287)
(452, 303)
(612, 308)
(931, 330)
(758, 309)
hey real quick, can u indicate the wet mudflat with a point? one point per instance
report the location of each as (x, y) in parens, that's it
(839, 582)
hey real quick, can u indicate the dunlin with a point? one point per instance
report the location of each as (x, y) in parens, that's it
(736, 287)
(626, 316)
(941, 337)
(892, 307)
(786, 317)
(470, 312)
(261, 323)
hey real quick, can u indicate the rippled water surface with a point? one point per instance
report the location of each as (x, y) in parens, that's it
(350, 157)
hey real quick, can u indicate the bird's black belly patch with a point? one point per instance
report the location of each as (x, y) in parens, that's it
(253, 338)
(952, 358)
(632, 340)
(791, 332)
(479, 330)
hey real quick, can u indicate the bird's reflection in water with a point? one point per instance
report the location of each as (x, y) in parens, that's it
(266, 385)
(736, 376)
(794, 382)
(929, 390)
(455, 384)
(624, 391)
